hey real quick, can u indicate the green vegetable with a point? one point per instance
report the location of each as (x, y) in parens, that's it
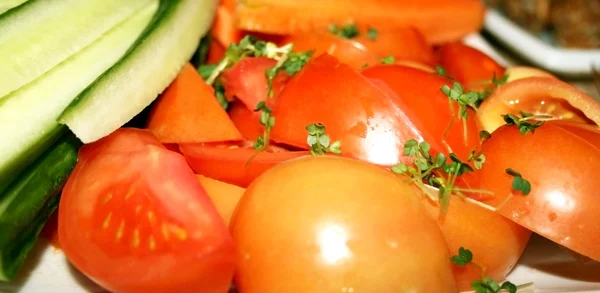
(523, 124)
(518, 183)
(372, 33)
(30, 200)
(348, 31)
(320, 142)
(28, 116)
(463, 258)
(59, 29)
(6, 5)
(201, 54)
(441, 71)
(485, 284)
(388, 60)
(268, 121)
(144, 72)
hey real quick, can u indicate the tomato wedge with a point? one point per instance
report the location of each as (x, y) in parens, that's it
(370, 123)
(561, 160)
(230, 162)
(468, 65)
(134, 218)
(405, 44)
(539, 96)
(246, 121)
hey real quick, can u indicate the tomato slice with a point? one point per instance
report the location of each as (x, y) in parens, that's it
(539, 96)
(349, 52)
(246, 121)
(561, 160)
(468, 65)
(230, 162)
(370, 123)
(247, 81)
(405, 44)
(134, 218)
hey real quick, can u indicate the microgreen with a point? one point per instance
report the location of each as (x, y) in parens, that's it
(348, 31)
(220, 95)
(206, 70)
(476, 156)
(291, 64)
(490, 87)
(388, 60)
(523, 123)
(320, 142)
(441, 71)
(372, 33)
(485, 284)
(518, 182)
(464, 100)
(266, 120)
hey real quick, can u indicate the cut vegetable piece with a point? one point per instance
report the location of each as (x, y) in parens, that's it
(223, 29)
(9, 4)
(28, 116)
(224, 196)
(469, 66)
(439, 20)
(29, 201)
(147, 69)
(188, 112)
(58, 29)
(538, 96)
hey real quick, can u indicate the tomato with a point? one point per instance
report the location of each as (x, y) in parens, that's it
(246, 121)
(405, 44)
(247, 81)
(420, 92)
(468, 65)
(539, 96)
(332, 224)
(216, 52)
(134, 218)
(561, 160)
(224, 196)
(520, 72)
(347, 51)
(230, 162)
(495, 241)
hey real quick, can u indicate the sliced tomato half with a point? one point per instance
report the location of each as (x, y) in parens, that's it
(539, 96)
(134, 218)
(234, 163)
(469, 66)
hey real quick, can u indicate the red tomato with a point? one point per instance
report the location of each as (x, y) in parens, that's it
(539, 96)
(331, 224)
(247, 81)
(468, 65)
(561, 160)
(405, 44)
(245, 120)
(230, 162)
(216, 52)
(420, 92)
(370, 123)
(134, 218)
(347, 51)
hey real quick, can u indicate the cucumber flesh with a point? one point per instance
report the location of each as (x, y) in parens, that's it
(30, 200)
(28, 116)
(9, 4)
(137, 79)
(40, 34)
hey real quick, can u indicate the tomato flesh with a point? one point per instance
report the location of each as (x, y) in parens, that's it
(137, 220)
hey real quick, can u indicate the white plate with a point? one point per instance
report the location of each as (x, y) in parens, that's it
(562, 61)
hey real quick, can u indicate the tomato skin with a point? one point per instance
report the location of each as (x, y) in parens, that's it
(420, 92)
(561, 160)
(137, 220)
(368, 122)
(495, 241)
(246, 121)
(539, 96)
(229, 162)
(468, 65)
(405, 44)
(338, 223)
(247, 81)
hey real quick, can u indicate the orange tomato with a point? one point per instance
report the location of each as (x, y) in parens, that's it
(495, 241)
(370, 123)
(224, 196)
(561, 160)
(331, 224)
(539, 96)
(468, 65)
(246, 121)
(405, 44)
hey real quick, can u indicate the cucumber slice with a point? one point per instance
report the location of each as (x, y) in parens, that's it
(137, 79)
(40, 34)
(28, 116)
(30, 200)
(9, 4)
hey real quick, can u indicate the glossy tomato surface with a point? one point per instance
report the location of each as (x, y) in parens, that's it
(134, 218)
(539, 96)
(405, 44)
(371, 124)
(561, 160)
(246, 120)
(331, 224)
(235, 163)
(469, 66)
(420, 92)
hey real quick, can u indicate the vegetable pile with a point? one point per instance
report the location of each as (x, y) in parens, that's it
(351, 147)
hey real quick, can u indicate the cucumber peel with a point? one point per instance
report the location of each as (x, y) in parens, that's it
(28, 116)
(147, 69)
(10, 4)
(40, 34)
(30, 200)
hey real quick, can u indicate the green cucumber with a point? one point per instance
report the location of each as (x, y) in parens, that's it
(40, 34)
(137, 79)
(6, 5)
(28, 116)
(30, 200)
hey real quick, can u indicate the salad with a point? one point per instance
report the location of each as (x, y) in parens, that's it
(355, 147)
